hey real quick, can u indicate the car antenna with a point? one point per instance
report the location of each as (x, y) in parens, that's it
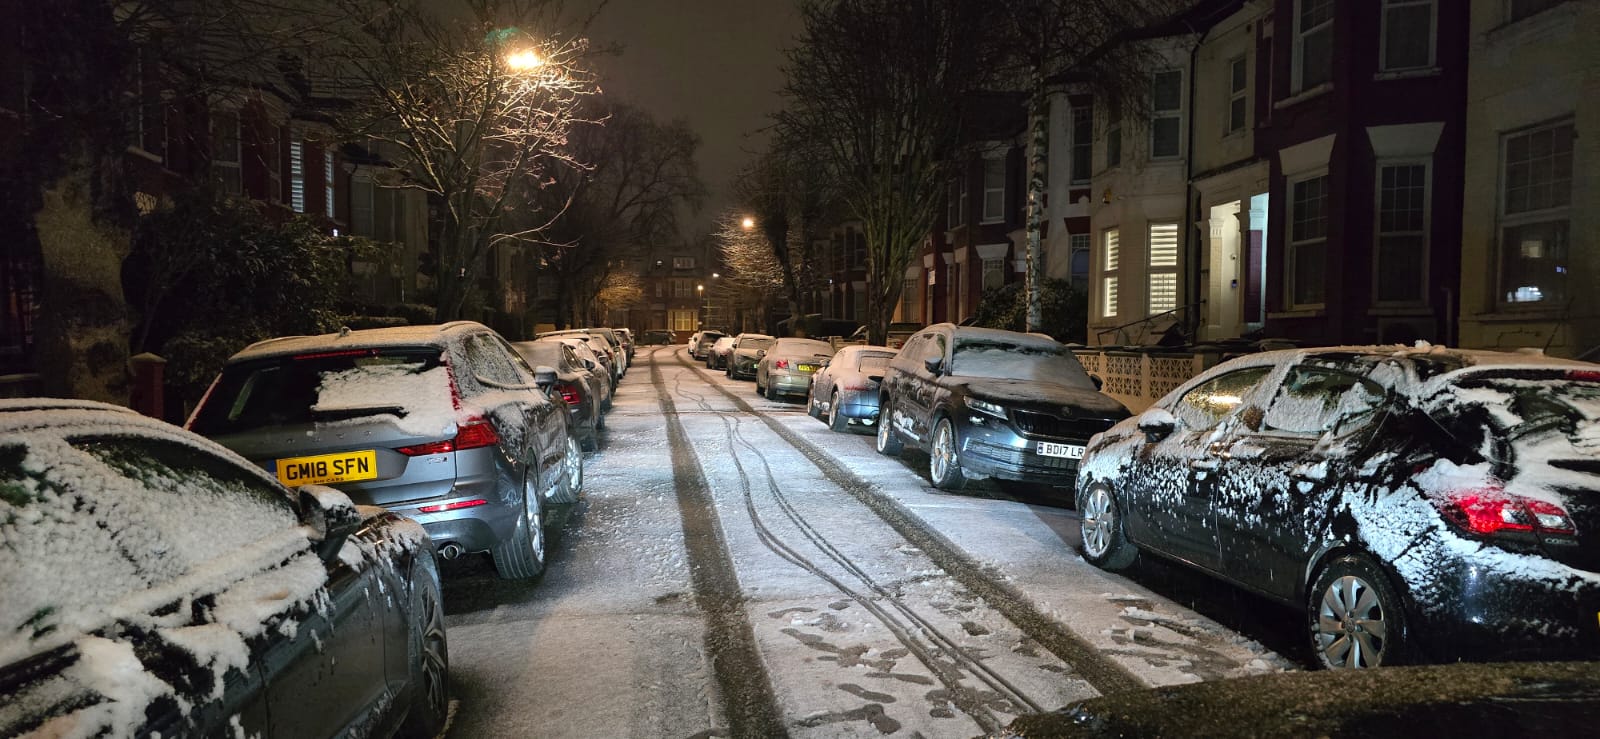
(344, 331)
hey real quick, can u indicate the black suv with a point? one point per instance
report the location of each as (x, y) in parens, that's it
(986, 403)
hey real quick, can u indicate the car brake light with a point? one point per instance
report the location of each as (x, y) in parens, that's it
(458, 505)
(1584, 375)
(1493, 512)
(471, 434)
(340, 353)
(780, 364)
(569, 393)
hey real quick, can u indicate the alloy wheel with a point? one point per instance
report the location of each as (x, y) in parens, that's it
(574, 466)
(435, 655)
(1099, 519)
(1351, 629)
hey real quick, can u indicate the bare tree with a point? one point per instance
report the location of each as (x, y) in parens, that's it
(786, 197)
(479, 108)
(640, 176)
(877, 85)
(1037, 43)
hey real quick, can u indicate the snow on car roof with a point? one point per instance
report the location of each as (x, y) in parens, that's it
(429, 335)
(794, 343)
(975, 335)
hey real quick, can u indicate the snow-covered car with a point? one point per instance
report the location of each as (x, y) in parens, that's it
(845, 391)
(744, 354)
(628, 343)
(1414, 504)
(895, 336)
(599, 347)
(155, 583)
(986, 403)
(786, 368)
(578, 388)
(717, 356)
(701, 342)
(444, 424)
(596, 368)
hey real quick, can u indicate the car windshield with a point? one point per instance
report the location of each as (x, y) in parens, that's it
(412, 385)
(1035, 362)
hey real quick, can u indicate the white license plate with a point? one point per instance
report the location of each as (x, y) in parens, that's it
(1064, 451)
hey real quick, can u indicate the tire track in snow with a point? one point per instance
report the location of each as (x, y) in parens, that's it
(1099, 670)
(745, 690)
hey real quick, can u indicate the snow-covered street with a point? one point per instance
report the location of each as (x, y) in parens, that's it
(734, 568)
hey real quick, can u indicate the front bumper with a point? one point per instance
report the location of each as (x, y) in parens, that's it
(992, 449)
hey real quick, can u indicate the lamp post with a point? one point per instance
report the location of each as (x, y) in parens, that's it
(700, 295)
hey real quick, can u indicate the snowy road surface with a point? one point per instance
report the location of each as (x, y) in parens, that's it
(736, 569)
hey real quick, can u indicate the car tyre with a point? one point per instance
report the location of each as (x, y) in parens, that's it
(1105, 544)
(571, 475)
(771, 392)
(429, 656)
(811, 404)
(944, 458)
(888, 441)
(836, 420)
(1355, 617)
(521, 557)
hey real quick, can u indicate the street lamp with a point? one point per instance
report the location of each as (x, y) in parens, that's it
(526, 60)
(748, 223)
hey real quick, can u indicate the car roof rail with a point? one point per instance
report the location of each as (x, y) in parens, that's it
(274, 340)
(443, 327)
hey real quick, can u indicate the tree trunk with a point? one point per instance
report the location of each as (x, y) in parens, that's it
(1038, 164)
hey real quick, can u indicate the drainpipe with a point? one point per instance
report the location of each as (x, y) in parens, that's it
(1192, 244)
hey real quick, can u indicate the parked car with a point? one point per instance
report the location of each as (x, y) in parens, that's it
(158, 584)
(786, 368)
(595, 366)
(701, 342)
(442, 424)
(628, 342)
(655, 337)
(599, 347)
(618, 347)
(986, 403)
(744, 354)
(895, 336)
(717, 358)
(603, 343)
(579, 388)
(845, 391)
(1414, 504)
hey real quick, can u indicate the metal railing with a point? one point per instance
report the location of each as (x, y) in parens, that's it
(1145, 324)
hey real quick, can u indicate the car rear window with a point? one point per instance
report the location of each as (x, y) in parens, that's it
(874, 361)
(1524, 409)
(411, 385)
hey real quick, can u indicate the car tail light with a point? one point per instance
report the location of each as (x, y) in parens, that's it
(780, 364)
(339, 353)
(1494, 512)
(1584, 375)
(471, 434)
(569, 393)
(456, 506)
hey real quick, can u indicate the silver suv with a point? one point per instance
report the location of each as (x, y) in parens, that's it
(444, 424)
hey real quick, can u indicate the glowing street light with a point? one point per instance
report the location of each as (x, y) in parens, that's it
(748, 223)
(526, 60)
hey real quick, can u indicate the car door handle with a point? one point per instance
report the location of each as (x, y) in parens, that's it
(1206, 464)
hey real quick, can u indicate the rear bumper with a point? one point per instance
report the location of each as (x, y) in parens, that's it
(789, 384)
(859, 406)
(475, 529)
(1505, 615)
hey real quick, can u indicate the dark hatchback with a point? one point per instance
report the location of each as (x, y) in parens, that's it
(986, 403)
(156, 584)
(580, 388)
(1413, 504)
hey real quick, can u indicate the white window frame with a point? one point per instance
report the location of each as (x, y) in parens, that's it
(1378, 233)
(234, 165)
(1292, 247)
(1110, 271)
(683, 262)
(1433, 35)
(684, 320)
(1297, 79)
(297, 172)
(1161, 114)
(998, 215)
(1554, 214)
(328, 182)
(1162, 269)
(1233, 127)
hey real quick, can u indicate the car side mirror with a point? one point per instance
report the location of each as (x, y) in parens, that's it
(934, 364)
(1099, 384)
(544, 377)
(761, 353)
(1252, 416)
(1157, 424)
(331, 517)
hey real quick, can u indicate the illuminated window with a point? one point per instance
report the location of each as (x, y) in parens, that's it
(1535, 214)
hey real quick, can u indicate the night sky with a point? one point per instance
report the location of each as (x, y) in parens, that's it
(714, 63)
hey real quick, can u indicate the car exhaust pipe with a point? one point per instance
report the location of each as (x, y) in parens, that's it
(451, 551)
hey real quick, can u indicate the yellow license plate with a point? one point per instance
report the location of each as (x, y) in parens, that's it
(325, 469)
(808, 368)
